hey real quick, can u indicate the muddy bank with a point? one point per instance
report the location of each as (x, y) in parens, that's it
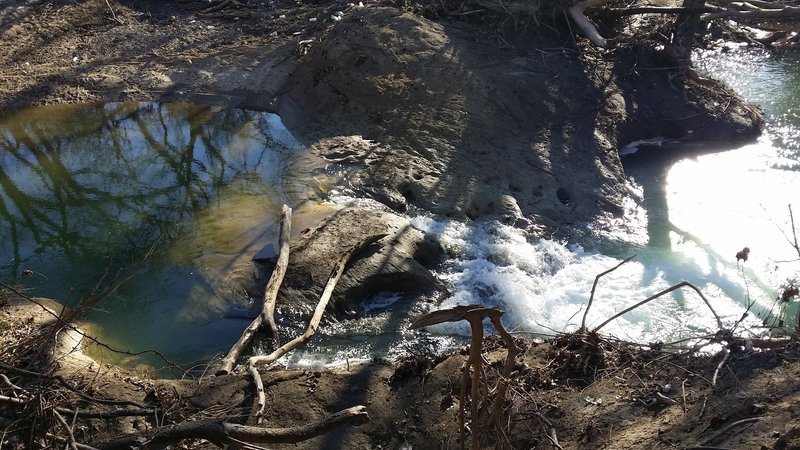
(618, 402)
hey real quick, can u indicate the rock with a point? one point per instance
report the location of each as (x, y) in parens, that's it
(397, 263)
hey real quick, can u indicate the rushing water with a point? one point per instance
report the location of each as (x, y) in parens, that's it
(87, 190)
(685, 222)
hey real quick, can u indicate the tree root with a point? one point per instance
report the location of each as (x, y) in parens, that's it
(225, 433)
(474, 314)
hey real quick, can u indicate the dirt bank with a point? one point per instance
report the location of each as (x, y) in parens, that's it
(460, 116)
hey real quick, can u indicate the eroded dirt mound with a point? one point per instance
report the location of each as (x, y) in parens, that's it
(461, 128)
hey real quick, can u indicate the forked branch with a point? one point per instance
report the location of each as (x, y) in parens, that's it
(594, 286)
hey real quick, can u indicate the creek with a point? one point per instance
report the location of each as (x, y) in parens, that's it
(87, 190)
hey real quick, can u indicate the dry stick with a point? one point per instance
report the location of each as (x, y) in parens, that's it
(475, 349)
(729, 427)
(474, 314)
(594, 286)
(274, 283)
(725, 354)
(270, 294)
(337, 272)
(70, 434)
(655, 296)
(218, 431)
(683, 391)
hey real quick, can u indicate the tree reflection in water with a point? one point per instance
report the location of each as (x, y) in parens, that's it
(87, 189)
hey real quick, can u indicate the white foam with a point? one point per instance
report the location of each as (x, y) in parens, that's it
(543, 286)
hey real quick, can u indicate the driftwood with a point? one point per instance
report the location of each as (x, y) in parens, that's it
(270, 295)
(747, 10)
(223, 433)
(313, 323)
(474, 314)
(274, 283)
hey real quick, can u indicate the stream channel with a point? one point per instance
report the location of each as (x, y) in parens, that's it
(87, 190)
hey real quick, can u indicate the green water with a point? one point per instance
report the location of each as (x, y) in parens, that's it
(87, 190)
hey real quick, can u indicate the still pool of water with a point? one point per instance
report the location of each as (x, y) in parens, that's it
(86, 190)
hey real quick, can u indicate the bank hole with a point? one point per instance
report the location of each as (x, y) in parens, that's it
(563, 196)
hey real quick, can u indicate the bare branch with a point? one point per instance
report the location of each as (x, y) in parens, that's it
(267, 315)
(655, 296)
(274, 283)
(594, 286)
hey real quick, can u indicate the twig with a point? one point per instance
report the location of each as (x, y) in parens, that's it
(12, 400)
(70, 434)
(725, 354)
(215, 8)
(655, 296)
(9, 383)
(683, 392)
(554, 438)
(729, 427)
(113, 14)
(594, 286)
